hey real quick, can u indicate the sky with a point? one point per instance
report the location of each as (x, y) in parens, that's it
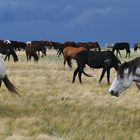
(105, 21)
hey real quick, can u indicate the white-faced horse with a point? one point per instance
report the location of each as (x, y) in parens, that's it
(4, 78)
(127, 73)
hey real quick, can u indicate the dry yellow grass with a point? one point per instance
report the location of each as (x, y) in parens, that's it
(52, 108)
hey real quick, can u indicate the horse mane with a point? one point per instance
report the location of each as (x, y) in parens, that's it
(99, 48)
(131, 66)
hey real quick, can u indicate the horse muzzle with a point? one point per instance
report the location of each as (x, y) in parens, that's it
(113, 93)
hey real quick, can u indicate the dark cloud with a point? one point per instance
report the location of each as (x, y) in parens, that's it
(103, 20)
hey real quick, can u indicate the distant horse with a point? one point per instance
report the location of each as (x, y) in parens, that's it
(97, 60)
(90, 45)
(87, 45)
(40, 47)
(4, 78)
(17, 46)
(31, 51)
(70, 53)
(136, 47)
(127, 72)
(8, 50)
(121, 46)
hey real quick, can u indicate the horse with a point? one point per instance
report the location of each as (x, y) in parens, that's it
(4, 78)
(40, 47)
(136, 47)
(121, 46)
(30, 51)
(97, 60)
(70, 53)
(127, 73)
(90, 45)
(8, 50)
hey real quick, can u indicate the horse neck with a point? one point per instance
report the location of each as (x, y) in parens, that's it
(13, 53)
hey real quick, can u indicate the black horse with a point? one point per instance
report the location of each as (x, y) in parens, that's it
(8, 50)
(121, 46)
(136, 47)
(96, 59)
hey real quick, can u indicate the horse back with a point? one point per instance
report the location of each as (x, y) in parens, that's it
(72, 51)
(97, 59)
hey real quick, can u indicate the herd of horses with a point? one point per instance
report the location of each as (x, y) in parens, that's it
(89, 54)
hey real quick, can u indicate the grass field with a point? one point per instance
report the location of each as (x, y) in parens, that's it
(52, 108)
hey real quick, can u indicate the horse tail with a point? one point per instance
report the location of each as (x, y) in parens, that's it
(11, 88)
(86, 74)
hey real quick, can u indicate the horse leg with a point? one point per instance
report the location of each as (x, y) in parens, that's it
(0, 82)
(102, 75)
(126, 54)
(119, 53)
(74, 74)
(80, 74)
(64, 62)
(108, 76)
(29, 57)
(8, 57)
(5, 57)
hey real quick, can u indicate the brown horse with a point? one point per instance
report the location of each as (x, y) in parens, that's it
(31, 51)
(70, 53)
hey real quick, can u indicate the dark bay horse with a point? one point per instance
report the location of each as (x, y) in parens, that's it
(97, 60)
(87, 45)
(121, 46)
(40, 47)
(70, 53)
(31, 51)
(90, 45)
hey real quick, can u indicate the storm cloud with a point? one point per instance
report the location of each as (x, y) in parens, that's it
(79, 20)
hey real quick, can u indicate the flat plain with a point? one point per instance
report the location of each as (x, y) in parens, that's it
(52, 108)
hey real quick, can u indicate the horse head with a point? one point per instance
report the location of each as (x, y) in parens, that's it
(28, 42)
(7, 41)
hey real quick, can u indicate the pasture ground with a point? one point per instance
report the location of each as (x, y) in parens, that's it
(52, 108)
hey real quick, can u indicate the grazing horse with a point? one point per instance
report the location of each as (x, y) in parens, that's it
(136, 47)
(127, 72)
(121, 46)
(8, 50)
(90, 45)
(70, 53)
(31, 51)
(96, 59)
(4, 78)
(40, 47)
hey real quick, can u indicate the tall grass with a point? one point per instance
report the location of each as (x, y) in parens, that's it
(52, 108)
